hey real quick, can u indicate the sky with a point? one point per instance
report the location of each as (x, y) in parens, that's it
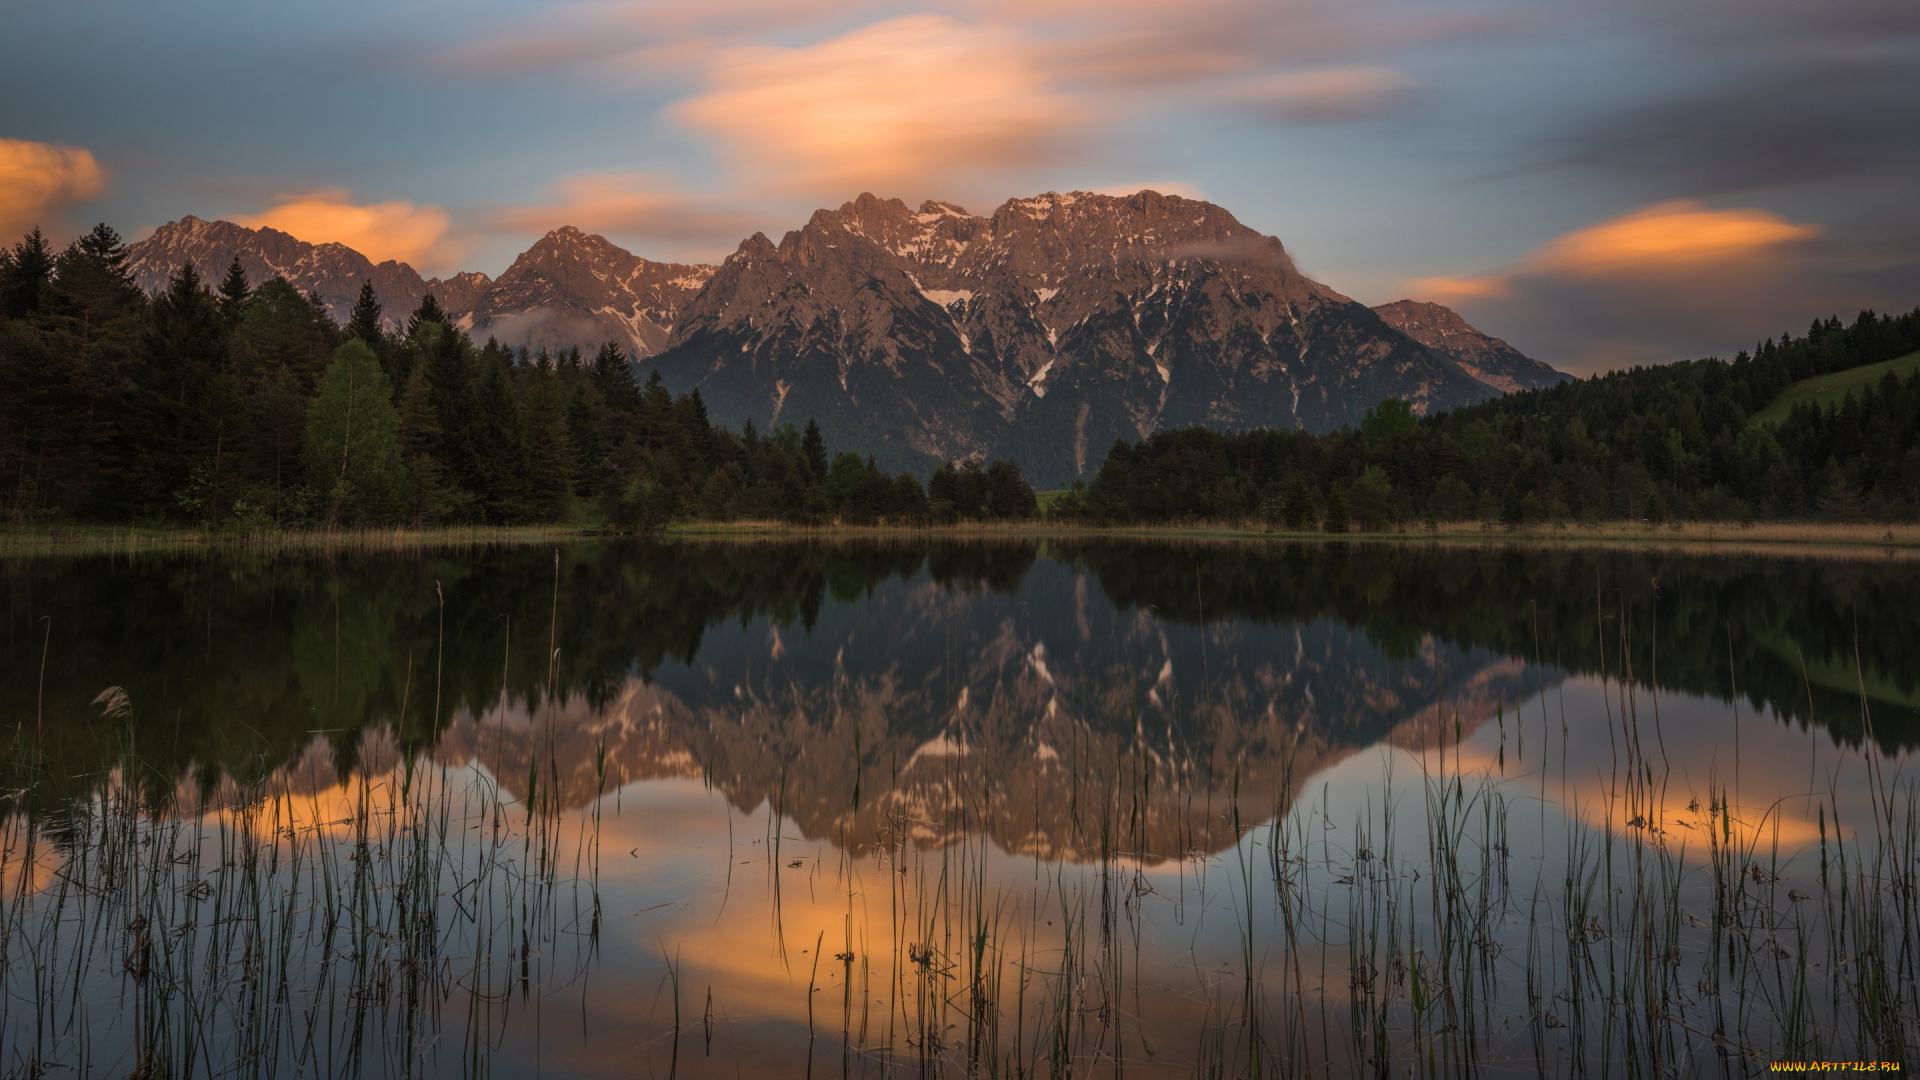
(1602, 182)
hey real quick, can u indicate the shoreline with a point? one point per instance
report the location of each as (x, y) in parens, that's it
(1783, 538)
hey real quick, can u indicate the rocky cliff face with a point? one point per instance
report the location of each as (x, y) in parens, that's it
(1488, 359)
(334, 271)
(1043, 332)
(574, 288)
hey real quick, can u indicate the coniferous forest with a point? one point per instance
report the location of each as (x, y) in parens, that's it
(227, 406)
(220, 404)
(1668, 442)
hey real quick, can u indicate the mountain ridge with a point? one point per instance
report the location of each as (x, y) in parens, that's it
(1068, 320)
(1042, 331)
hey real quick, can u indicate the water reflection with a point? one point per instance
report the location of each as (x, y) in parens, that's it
(745, 663)
(914, 809)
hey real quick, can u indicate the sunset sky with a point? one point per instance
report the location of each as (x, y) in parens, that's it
(1601, 183)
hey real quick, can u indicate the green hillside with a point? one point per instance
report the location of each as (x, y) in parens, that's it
(1825, 390)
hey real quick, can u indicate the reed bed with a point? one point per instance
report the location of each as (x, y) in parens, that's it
(419, 919)
(390, 931)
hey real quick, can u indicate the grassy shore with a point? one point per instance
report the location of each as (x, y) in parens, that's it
(137, 540)
(1798, 537)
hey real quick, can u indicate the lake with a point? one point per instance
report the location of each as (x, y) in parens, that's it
(925, 808)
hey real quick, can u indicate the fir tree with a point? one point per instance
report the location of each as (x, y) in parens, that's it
(234, 293)
(104, 247)
(25, 275)
(500, 462)
(364, 323)
(428, 312)
(1336, 519)
(420, 442)
(613, 377)
(815, 449)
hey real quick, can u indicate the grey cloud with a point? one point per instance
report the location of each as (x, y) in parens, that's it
(1836, 117)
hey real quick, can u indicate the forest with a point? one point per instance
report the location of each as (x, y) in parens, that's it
(1650, 444)
(228, 406)
(233, 407)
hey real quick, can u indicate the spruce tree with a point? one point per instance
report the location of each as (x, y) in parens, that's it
(234, 293)
(448, 367)
(364, 323)
(500, 463)
(106, 249)
(1336, 519)
(420, 442)
(613, 377)
(815, 449)
(428, 312)
(25, 275)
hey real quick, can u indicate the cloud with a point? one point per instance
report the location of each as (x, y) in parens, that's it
(396, 229)
(1321, 95)
(1823, 115)
(39, 180)
(1670, 238)
(905, 103)
(1666, 282)
(634, 205)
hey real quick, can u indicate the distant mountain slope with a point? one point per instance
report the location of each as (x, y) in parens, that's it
(1488, 359)
(569, 288)
(334, 271)
(1044, 332)
(575, 288)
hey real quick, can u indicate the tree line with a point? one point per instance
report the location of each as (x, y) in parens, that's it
(234, 406)
(1649, 444)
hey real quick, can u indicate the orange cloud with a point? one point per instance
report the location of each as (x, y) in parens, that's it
(1666, 282)
(1681, 233)
(1680, 236)
(386, 230)
(890, 105)
(38, 180)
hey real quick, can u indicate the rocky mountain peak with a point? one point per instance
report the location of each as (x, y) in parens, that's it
(1043, 332)
(575, 288)
(332, 271)
(1488, 359)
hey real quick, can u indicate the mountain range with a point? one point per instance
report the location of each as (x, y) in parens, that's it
(1043, 332)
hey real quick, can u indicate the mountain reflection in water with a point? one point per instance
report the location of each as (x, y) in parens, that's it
(989, 686)
(1050, 808)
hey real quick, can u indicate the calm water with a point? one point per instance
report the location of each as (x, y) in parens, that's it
(951, 809)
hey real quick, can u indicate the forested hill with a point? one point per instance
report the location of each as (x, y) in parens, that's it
(1650, 443)
(240, 407)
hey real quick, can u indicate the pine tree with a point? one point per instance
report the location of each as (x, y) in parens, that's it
(25, 275)
(1297, 511)
(234, 292)
(500, 462)
(613, 377)
(420, 441)
(450, 388)
(170, 428)
(364, 323)
(428, 312)
(815, 449)
(1336, 519)
(105, 248)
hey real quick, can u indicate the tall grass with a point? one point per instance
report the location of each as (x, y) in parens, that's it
(388, 930)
